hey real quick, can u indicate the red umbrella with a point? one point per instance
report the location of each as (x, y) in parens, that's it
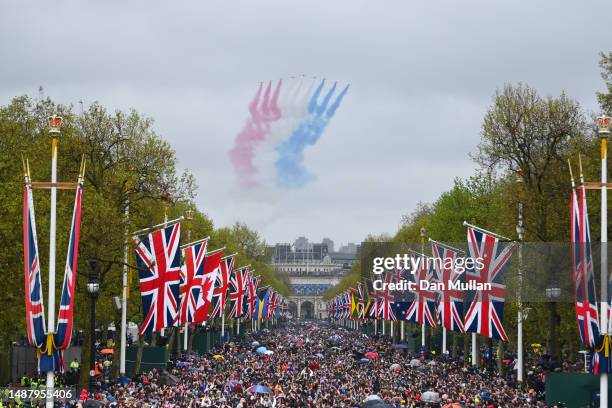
(314, 365)
(371, 355)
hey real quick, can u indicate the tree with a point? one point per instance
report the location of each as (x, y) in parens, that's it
(605, 98)
(127, 164)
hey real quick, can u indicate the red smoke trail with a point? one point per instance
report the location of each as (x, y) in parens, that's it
(263, 112)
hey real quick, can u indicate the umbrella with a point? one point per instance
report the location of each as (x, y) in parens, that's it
(415, 363)
(395, 367)
(319, 355)
(168, 379)
(268, 352)
(261, 350)
(364, 360)
(259, 389)
(218, 356)
(400, 346)
(430, 396)
(106, 351)
(255, 344)
(371, 355)
(375, 404)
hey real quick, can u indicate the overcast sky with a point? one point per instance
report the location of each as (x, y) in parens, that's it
(422, 74)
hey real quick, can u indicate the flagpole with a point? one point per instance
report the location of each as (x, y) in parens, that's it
(500, 237)
(603, 125)
(124, 293)
(423, 252)
(223, 326)
(402, 330)
(520, 229)
(54, 132)
(188, 217)
(443, 340)
(474, 354)
(162, 332)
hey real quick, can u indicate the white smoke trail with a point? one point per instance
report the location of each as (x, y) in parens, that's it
(293, 104)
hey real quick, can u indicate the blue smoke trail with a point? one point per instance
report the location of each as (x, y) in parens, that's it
(289, 167)
(312, 104)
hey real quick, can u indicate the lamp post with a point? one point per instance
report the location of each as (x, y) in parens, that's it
(603, 127)
(552, 293)
(93, 288)
(520, 231)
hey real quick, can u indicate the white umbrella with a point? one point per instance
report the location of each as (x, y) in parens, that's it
(430, 396)
(415, 363)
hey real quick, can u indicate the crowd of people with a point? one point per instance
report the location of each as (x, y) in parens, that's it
(318, 365)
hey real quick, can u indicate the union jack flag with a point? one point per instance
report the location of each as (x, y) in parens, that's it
(361, 302)
(273, 306)
(63, 333)
(348, 303)
(192, 279)
(283, 307)
(585, 295)
(423, 306)
(238, 292)
(251, 299)
(450, 301)
(385, 303)
(159, 264)
(211, 270)
(222, 285)
(486, 311)
(373, 299)
(35, 312)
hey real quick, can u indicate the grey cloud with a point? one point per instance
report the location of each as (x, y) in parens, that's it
(422, 75)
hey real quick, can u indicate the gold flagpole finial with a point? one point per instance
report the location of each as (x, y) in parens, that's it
(580, 167)
(569, 165)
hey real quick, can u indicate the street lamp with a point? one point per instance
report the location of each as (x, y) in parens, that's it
(93, 288)
(553, 292)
